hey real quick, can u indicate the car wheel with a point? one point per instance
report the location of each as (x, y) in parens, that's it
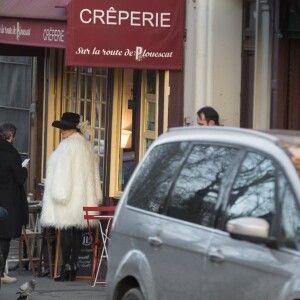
(133, 294)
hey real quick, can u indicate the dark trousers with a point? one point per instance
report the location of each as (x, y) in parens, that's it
(70, 240)
(4, 245)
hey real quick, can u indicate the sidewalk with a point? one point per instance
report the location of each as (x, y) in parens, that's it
(47, 289)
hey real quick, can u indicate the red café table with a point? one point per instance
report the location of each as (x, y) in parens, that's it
(104, 216)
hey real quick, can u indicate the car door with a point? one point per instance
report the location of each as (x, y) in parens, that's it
(165, 243)
(242, 270)
(190, 215)
(179, 190)
(238, 269)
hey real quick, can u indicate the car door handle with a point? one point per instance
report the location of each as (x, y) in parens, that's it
(216, 255)
(155, 241)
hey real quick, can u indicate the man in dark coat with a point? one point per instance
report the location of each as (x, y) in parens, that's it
(12, 193)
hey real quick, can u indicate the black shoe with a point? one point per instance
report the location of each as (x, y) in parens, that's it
(73, 272)
(64, 273)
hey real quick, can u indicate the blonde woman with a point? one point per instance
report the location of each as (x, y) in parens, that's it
(72, 181)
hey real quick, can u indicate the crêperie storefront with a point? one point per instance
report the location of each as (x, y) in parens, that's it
(117, 63)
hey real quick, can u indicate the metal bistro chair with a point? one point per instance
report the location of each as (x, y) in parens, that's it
(32, 237)
(104, 216)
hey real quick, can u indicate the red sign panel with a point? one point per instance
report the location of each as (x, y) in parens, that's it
(33, 32)
(125, 34)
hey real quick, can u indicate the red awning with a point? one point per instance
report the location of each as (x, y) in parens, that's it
(101, 33)
(33, 22)
(126, 34)
(34, 9)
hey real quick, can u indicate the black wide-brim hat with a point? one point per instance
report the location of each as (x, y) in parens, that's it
(68, 120)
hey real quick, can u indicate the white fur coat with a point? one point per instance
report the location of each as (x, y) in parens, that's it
(72, 181)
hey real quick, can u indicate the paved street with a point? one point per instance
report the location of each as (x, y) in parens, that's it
(47, 289)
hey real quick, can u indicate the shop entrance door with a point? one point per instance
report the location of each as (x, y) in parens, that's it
(139, 119)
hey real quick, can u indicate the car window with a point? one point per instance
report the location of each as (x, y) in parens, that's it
(253, 191)
(155, 176)
(196, 189)
(290, 215)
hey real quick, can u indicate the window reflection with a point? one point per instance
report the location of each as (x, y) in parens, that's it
(152, 183)
(151, 116)
(197, 188)
(290, 215)
(253, 192)
(151, 82)
(149, 109)
(148, 143)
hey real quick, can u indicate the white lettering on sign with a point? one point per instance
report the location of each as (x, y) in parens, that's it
(82, 50)
(140, 54)
(53, 35)
(21, 31)
(86, 241)
(17, 30)
(123, 17)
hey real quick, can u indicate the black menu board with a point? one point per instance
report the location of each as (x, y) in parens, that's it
(86, 259)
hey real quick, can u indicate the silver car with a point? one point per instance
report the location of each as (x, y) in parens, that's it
(210, 213)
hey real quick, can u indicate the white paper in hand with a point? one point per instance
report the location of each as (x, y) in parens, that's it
(25, 162)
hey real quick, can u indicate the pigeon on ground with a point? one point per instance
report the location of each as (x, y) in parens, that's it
(26, 289)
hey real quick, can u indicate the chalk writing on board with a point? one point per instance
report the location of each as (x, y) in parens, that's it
(86, 255)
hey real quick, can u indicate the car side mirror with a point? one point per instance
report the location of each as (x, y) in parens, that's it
(255, 230)
(249, 226)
